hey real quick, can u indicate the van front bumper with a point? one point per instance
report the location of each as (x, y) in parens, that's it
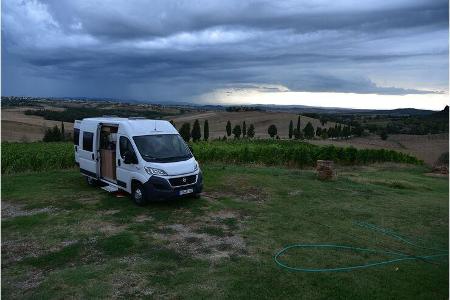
(159, 189)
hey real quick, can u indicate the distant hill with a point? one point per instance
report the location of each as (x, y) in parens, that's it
(296, 109)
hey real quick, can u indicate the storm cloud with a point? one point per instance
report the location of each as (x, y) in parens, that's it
(180, 50)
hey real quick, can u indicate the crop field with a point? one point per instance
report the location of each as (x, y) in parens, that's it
(20, 157)
(292, 153)
(63, 239)
(425, 147)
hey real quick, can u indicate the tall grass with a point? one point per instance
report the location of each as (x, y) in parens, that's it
(20, 157)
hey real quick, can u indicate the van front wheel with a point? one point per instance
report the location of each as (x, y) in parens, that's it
(138, 194)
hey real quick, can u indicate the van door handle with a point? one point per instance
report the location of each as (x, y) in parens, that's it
(118, 162)
(92, 155)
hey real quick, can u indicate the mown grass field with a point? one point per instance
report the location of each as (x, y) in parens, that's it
(62, 239)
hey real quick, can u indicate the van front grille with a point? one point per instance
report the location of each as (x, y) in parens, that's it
(183, 180)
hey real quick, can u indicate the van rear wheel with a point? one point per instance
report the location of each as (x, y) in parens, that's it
(138, 194)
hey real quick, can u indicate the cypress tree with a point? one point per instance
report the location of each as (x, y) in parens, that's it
(318, 131)
(291, 129)
(244, 129)
(185, 132)
(309, 131)
(331, 132)
(298, 128)
(251, 131)
(206, 130)
(228, 128)
(346, 132)
(63, 135)
(237, 131)
(196, 131)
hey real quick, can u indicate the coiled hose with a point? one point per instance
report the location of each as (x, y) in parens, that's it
(399, 255)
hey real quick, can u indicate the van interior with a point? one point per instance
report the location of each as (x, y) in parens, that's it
(108, 142)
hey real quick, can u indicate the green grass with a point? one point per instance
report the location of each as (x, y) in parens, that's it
(94, 245)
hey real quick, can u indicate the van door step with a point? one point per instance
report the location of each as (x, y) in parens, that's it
(110, 188)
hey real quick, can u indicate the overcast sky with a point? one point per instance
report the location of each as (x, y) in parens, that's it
(353, 53)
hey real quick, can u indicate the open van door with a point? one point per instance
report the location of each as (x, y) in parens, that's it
(76, 139)
(87, 150)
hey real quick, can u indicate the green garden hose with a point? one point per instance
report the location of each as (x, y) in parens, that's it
(399, 256)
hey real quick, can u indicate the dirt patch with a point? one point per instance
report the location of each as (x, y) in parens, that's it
(130, 284)
(17, 250)
(396, 184)
(89, 200)
(108, 212)
(12, 210)
(143, 218)
(438, 175)
(107, 228)
(240, 189)
(212, 238)
(32, 279)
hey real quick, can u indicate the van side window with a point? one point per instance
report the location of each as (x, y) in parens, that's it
(76, 136)
(88, 140)
(125, 145)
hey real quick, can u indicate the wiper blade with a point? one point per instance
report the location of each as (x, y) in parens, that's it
(149, 156)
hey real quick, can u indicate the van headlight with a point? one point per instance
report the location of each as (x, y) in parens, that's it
(196, 166)
(155, 171)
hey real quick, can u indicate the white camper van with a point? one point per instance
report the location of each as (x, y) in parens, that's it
(147, 158)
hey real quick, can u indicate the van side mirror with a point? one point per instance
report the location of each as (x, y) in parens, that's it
(129, 158)
(192, 149)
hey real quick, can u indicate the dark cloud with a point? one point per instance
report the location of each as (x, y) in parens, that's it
(178, 50)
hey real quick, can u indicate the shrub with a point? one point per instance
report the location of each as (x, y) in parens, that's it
(272, 130)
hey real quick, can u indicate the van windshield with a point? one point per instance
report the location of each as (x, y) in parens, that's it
(162, 148)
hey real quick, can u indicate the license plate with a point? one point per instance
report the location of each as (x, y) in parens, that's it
(188, 191)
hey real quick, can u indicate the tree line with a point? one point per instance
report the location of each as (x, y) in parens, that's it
(244, 131)
(56, 134)
(196, 132)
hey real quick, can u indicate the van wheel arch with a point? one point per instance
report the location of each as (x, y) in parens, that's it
(138, 193)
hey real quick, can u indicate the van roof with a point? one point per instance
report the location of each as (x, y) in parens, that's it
(135, 126)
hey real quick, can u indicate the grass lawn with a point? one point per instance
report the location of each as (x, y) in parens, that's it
(63, 239)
